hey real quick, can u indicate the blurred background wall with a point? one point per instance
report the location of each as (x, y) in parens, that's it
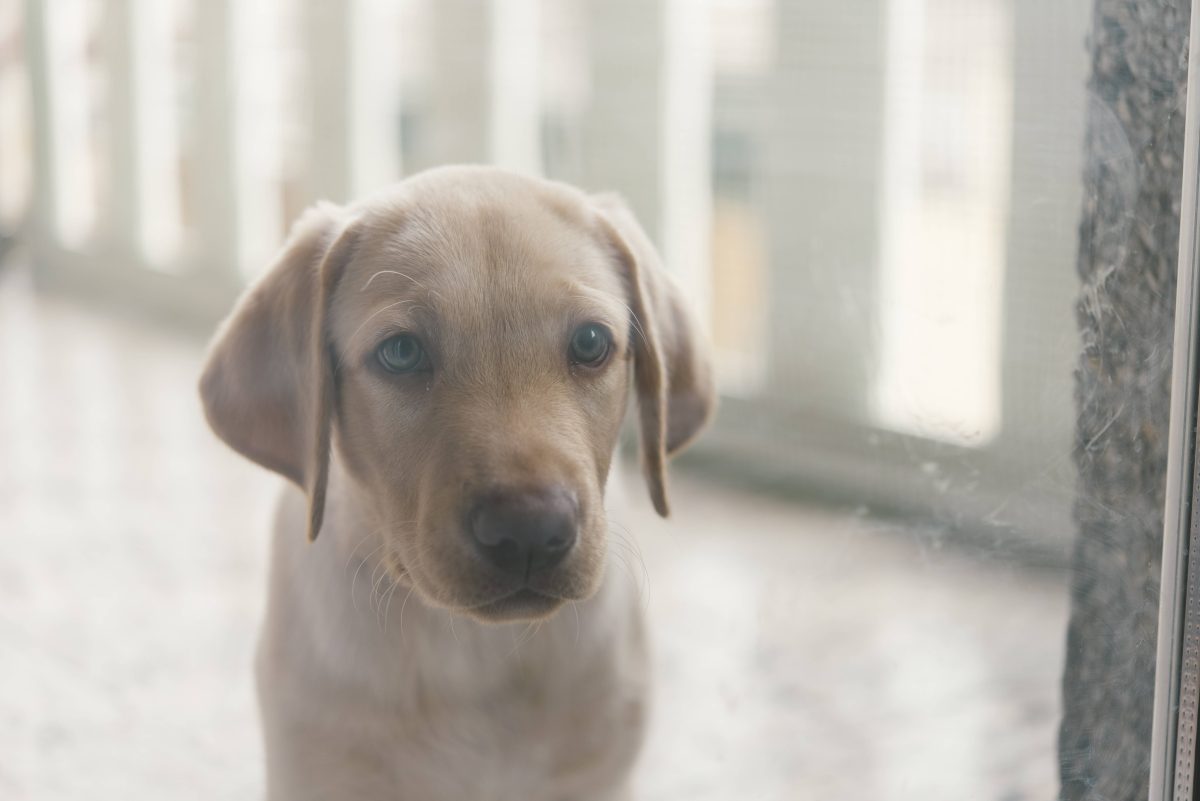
(873, 203)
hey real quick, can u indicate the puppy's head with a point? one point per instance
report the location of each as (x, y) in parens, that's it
(466, 344)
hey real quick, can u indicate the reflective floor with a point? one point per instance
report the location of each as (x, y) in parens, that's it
(800, 653)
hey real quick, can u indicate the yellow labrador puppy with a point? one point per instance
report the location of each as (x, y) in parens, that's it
(443, 370)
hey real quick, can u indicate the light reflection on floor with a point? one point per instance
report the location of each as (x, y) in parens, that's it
(800, 653)
(805, 654)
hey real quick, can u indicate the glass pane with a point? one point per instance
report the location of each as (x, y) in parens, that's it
(926, 249)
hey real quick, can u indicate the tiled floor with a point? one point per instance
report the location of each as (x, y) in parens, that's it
(801, 654)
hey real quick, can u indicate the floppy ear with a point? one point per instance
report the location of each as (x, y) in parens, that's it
(672, 370)
(267, 385)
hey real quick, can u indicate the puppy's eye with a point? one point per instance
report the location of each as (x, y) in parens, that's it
(401, 354)
(590, 345)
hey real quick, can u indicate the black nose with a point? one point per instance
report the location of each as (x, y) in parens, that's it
(522, 532)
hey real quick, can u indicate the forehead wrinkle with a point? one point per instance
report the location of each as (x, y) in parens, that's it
(423, 238)
(595, 297)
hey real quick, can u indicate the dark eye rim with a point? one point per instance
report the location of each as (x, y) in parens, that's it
(609, 346)
(422, 365)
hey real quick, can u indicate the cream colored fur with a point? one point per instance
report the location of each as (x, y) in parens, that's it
(394, 663)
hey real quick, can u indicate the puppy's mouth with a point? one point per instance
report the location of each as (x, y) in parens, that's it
(523, 604)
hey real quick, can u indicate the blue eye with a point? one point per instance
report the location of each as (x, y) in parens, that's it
(590, 345)
(401, 354)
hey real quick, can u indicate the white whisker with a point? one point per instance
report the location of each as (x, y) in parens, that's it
(633, 320)
(376, 595)
(403, 606)
(386, 272)
(388, 606)
(353, 597)
(628, 547)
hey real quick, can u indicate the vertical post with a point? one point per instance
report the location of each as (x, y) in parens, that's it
(685, 151)
(328, 43)
(623, 127)
(485, 96)
(43, 202)
(900, 232)
(216, 198)
(459, 113)
(60, 82)
(354, 80)
(648, 128)
(141, 216)
(515, 108)
(13, 179)
(155, 130)
(120, 221)
(1128, 261)
(822, 185)
(1049, 97)
(255, 101)
(374, 88)
(1176, 662)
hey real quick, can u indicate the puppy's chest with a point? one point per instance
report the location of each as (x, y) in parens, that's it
(526, 737)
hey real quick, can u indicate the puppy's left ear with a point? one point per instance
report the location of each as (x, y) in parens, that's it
(268, 382)
(672, 367)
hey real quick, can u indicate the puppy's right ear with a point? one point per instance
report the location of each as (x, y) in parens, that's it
(672, 367)
(268, 385)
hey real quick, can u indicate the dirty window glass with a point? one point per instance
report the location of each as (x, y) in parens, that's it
(931, 249)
